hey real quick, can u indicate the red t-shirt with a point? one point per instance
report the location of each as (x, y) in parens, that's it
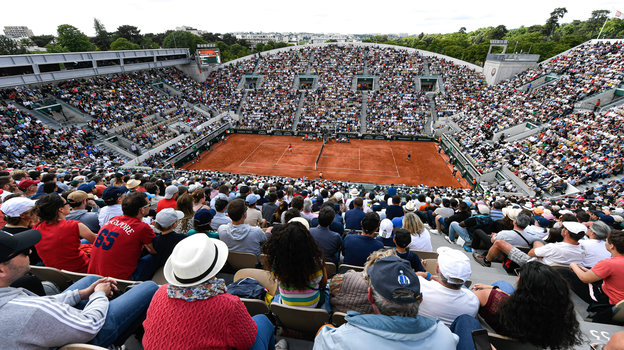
(118, 246)
(60, 246)
(166, 203)
(612, 273)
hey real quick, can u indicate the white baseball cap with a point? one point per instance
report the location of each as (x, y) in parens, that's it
(16, 206)
(453, 264)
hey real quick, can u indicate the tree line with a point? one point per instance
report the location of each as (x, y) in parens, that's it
(547, 40)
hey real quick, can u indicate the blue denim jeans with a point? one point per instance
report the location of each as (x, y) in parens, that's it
(463, 327)
(123, 311)
(265, 337)
(456, 230)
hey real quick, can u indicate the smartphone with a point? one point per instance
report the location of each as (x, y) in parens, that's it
(481, 339)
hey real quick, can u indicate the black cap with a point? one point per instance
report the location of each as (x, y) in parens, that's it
(13, 243)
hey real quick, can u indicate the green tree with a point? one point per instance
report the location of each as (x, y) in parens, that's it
(497, 33)
(210, 37)
(130, 33)
(553, 21)
(10, 47)
(123, 44)
(42, 40)
(158, 38)
(183, 39)
(71, 39)
(102, 38)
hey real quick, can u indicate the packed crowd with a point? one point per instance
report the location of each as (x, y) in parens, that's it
(25, 140)
(583, 72)
(186, 222)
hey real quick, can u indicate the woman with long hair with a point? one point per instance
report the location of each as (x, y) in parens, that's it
(60, 239)
(297, 263)
(185, 205)
(199, 200)
(281, 208)
(539, 311)
(421, 238)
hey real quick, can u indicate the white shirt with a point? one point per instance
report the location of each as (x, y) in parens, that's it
(422, 242)
(595, 250)
(108, 212)
(445, 303)
(561, 253)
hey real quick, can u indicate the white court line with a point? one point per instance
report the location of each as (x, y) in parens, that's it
(395, 164)
(311, 167)
(252, 152)
(359, 159)
(340, 172)
(280, 158)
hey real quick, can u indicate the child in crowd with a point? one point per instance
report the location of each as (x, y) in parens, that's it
(402, 239)
(166, 222)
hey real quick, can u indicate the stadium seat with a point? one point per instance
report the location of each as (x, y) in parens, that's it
(264, 260)
(618, 312)
(56, 276)
(302, 319)
(255, 306)
(338, 318)
(77, 346)
(159, 277)
(330, 269)
(346, 267)
(501, 342)
(242, 260)
(265, 278)
(431, 266)
(426, 255)
(76, 276)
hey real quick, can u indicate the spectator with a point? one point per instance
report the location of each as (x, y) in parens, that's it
(166, 222)
(239, 236)
(394, 292)
(170, 200)
(357, 247)
(194, 308)
(220, 218)
(78, 200)
(60, 245)
(297, 262)
(539, 311)
(120, 243)
(354, 217)
(402, 239)
(601, 286)
(329, 241)
(100, 322)
(421, 239)
(444, 297)
(113, 197)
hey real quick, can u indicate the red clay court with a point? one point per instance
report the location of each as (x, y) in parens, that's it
(374, 161)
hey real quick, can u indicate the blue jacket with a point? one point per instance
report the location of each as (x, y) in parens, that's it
(353, 219)
(387, 332)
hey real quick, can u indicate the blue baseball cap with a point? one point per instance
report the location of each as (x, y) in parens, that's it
(252, 199)
(113, 192)
(202, 217)
(87, 187)
(394, 279)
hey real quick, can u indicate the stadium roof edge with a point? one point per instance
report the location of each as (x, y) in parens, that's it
(421, 52)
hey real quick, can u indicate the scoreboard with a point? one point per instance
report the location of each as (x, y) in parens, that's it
(207, 56)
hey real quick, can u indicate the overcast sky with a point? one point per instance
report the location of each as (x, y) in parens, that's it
(318, 16)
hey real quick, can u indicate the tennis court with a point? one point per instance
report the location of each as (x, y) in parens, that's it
(373, 161)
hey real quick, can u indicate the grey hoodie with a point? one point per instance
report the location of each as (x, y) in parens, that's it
(242, 238)
(28, 321)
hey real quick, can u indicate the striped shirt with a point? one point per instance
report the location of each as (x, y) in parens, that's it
(302, 297)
